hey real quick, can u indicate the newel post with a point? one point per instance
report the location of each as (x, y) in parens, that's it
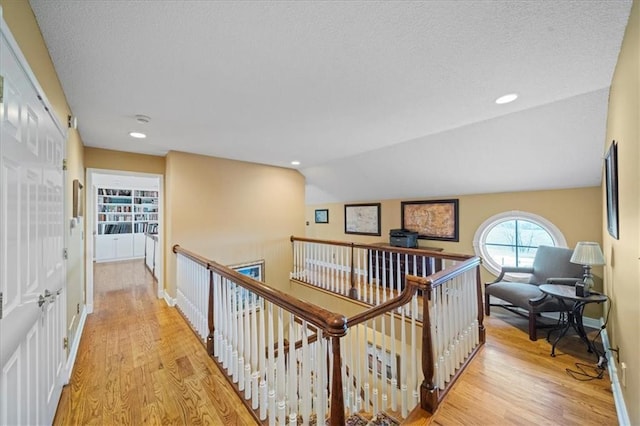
(336, 329)
(337, 397)
(353, 291)
(210, 315)
(428, 389)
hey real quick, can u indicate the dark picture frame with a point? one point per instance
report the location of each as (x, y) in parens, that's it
(362, 219)
(432, 219)
(322, 215)
(611, 184)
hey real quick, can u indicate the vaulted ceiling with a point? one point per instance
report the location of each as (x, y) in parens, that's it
(387, 99)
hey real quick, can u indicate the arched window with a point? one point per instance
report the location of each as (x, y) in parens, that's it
(512, 239)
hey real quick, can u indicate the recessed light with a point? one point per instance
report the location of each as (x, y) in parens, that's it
(137, 135)
(507, 98)
(295, 163)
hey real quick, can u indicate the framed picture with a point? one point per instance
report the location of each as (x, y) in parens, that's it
(253, 269)
(322, 216)
(432, 220)
(77, 199)
(382, 362)
(611, 182)
(362, 219)
(245, 299)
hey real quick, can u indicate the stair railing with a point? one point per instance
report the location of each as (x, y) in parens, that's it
(247, 326)
(370, 273)
(380, 360)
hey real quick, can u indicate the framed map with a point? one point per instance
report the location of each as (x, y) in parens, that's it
(362, 219)
(432, 220)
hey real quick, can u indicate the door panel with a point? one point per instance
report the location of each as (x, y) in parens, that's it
(32, 266)
(10, 211)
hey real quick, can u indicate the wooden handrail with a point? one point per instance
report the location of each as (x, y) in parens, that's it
(191, 255)
(331, 323)
(440, 277)
(413, 284)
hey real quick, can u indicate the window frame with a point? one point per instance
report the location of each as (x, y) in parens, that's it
(480, 236)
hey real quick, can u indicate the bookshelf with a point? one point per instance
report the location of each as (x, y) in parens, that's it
(145, 209)
(123, 216)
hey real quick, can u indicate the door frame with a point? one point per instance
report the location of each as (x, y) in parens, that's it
(90, 222)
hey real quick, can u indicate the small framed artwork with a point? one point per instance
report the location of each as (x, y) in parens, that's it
(77, 198)
(611, 183)
(362, 219)
(253, 269)
(246, 299)
(322, 216)
(432, 220)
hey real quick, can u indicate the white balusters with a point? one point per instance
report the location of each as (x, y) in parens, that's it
(413, 378)
(193, 293)
(453, 311)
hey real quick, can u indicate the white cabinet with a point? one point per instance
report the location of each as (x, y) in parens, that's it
(139, 241)
(114, 247)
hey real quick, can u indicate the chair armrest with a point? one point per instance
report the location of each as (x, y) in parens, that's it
(538, 300)
(514, 269)
(563, 281)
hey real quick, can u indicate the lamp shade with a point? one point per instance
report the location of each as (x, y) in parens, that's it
(587, 253)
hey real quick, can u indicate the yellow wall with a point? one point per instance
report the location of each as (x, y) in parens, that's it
(576, 212)
(24, 27)
(97, 158)
(232, 212)
(559, 206)
(622, 272)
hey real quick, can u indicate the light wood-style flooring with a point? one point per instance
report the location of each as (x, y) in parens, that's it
(139, 363)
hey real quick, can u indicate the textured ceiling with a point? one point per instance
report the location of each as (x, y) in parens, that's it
(375, 99)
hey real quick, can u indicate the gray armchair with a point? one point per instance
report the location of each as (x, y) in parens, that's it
(550, 266)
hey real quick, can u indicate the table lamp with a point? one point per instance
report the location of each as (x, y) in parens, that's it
(587, 254)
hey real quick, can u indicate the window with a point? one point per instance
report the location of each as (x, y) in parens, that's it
(512, 239)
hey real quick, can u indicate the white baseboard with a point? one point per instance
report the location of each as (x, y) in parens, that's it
(618, 399)
(170, 301)
(73, 352)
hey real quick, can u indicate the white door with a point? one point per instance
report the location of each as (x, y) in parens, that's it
(32, 268)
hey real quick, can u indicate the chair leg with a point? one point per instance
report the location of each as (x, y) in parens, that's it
(487, 305)
(533, 335)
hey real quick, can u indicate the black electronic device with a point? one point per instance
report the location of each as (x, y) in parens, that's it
(403, 238)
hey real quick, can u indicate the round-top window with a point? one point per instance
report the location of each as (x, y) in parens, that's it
(512, 239)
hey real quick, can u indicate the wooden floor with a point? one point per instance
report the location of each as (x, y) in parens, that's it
(514, 381)
(139, 363)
